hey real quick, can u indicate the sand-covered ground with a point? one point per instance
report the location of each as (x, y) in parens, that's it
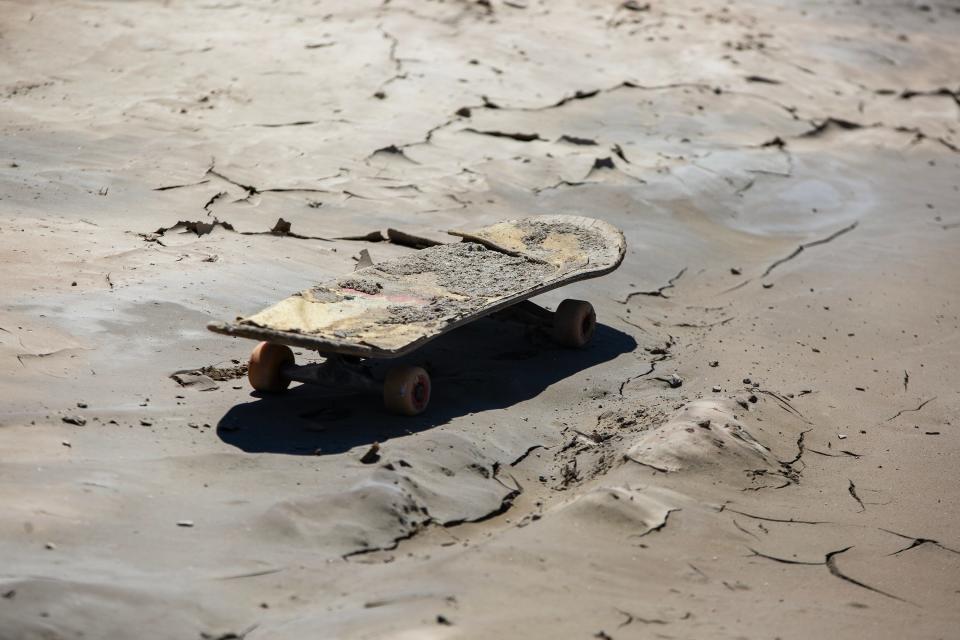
(761, 442)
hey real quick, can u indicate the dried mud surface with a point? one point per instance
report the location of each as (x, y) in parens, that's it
(471, 270)
(761, 440)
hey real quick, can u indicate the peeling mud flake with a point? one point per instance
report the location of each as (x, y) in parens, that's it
(221, 374)
(194, 380)
(198, 227)
(577, 140)
(519, 137)
(205, 377)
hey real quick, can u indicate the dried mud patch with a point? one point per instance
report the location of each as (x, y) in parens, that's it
(536, 232)
(622, 509)
(586, 455)
(704, 434)
(222, 374)
(445, 484)
(97, 606)
(206, 377)
(439, 307)
(470, 269)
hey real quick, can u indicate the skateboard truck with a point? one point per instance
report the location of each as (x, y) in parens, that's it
(406, 389)
(336, 372)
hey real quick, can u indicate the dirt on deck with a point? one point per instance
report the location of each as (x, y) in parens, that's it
(388, 306)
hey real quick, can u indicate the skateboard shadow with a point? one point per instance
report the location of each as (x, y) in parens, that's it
(488, 364)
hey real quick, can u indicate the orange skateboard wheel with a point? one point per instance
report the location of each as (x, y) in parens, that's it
(265, 370)
(406, 390)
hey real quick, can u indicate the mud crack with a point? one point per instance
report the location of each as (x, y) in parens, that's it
(852, 490)
(919, 406)
(830, 562)
(399, 73)
(807, 245)
(253, 191)
(523, 456)
(772, 519)
(653, 366)
(657, 293)
(201, 228)
(916, 542)
(658, 527)
(830, 123)
(519, 137)
(180, 186)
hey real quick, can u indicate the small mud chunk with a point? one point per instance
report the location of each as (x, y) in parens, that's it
(372, 455)
(203, 377)
(363, 285)
(194, 380)
(74, 419)
(221, 374)
(673, 380)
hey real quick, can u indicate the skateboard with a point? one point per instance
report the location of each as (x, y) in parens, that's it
(391, 308)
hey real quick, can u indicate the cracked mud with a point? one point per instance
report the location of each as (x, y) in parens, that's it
(761, 437)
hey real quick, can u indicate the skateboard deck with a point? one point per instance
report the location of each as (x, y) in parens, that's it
(391, 308)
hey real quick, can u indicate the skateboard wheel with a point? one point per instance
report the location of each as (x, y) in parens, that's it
(265, 370)
(573, 323)
(406, 390)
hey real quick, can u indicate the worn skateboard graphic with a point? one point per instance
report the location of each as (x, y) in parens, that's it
(391, 308)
